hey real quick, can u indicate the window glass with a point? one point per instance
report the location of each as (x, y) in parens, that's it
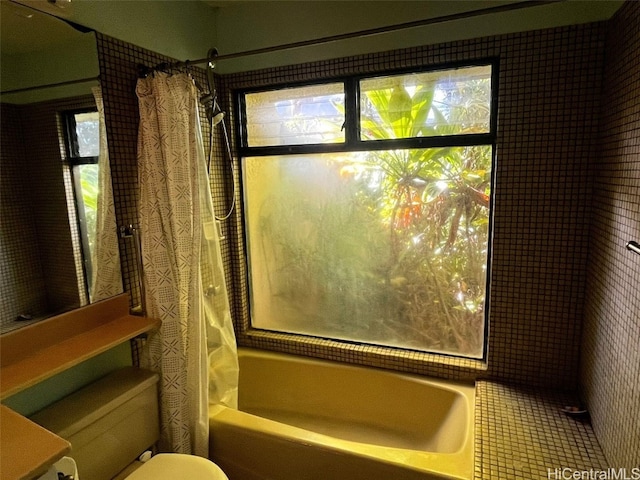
(83, 140)
(383, 247)
(87, 134)
(445, 102)
(86, 177)
(296, 116)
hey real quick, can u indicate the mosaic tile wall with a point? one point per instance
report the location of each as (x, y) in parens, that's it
(39, 241)
(21, 281)
(610, 372)
(547, 128)
(550, 84)
(119, 73)
(547, 131)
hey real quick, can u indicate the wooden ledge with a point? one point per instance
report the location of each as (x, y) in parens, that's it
(34, 353)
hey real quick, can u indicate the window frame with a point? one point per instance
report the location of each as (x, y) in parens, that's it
(353, 143)
(71, 137)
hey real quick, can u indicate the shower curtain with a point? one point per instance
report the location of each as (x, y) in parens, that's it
(194, 350)
(106, 276)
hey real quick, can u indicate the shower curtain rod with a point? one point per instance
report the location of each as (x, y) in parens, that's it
(51, 85)
(345, 36)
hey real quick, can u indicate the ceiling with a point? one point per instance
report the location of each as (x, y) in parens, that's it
(44, 31)
(241, 25)
(251, 25)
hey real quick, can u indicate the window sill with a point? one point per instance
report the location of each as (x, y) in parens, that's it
(408, 361)
(37, 352)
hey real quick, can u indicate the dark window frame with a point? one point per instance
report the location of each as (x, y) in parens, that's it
(71, 137)
(353, 143)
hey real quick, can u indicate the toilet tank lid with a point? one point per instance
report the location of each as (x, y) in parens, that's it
(83, 407)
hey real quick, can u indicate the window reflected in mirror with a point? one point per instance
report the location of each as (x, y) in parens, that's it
(49, 207)
(82, 137)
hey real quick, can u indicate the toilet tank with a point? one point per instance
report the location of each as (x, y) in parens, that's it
(108, 423)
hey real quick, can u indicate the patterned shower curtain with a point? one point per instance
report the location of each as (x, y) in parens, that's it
(194, 350)
(105, 256)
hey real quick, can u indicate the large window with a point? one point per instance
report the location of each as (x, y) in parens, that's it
(367, 207)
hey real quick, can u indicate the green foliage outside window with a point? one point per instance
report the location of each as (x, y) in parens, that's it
(386, 247)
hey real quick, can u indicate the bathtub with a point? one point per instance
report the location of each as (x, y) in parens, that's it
(307, 419)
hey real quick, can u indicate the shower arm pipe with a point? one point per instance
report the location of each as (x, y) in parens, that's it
(633, 246)
(361, 33)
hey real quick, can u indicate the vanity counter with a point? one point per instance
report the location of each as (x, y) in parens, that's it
(26, 449)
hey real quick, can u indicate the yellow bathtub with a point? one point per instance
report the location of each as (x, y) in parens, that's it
(307, 419)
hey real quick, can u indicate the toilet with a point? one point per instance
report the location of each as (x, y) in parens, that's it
(175, 465)
(111, 422)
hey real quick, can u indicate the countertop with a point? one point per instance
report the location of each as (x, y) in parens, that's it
(26, 449)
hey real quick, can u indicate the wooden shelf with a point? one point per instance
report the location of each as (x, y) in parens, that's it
(26, 449)
(39, 351)
(35, 353)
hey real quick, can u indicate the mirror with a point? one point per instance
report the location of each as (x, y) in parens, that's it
(56, 201)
